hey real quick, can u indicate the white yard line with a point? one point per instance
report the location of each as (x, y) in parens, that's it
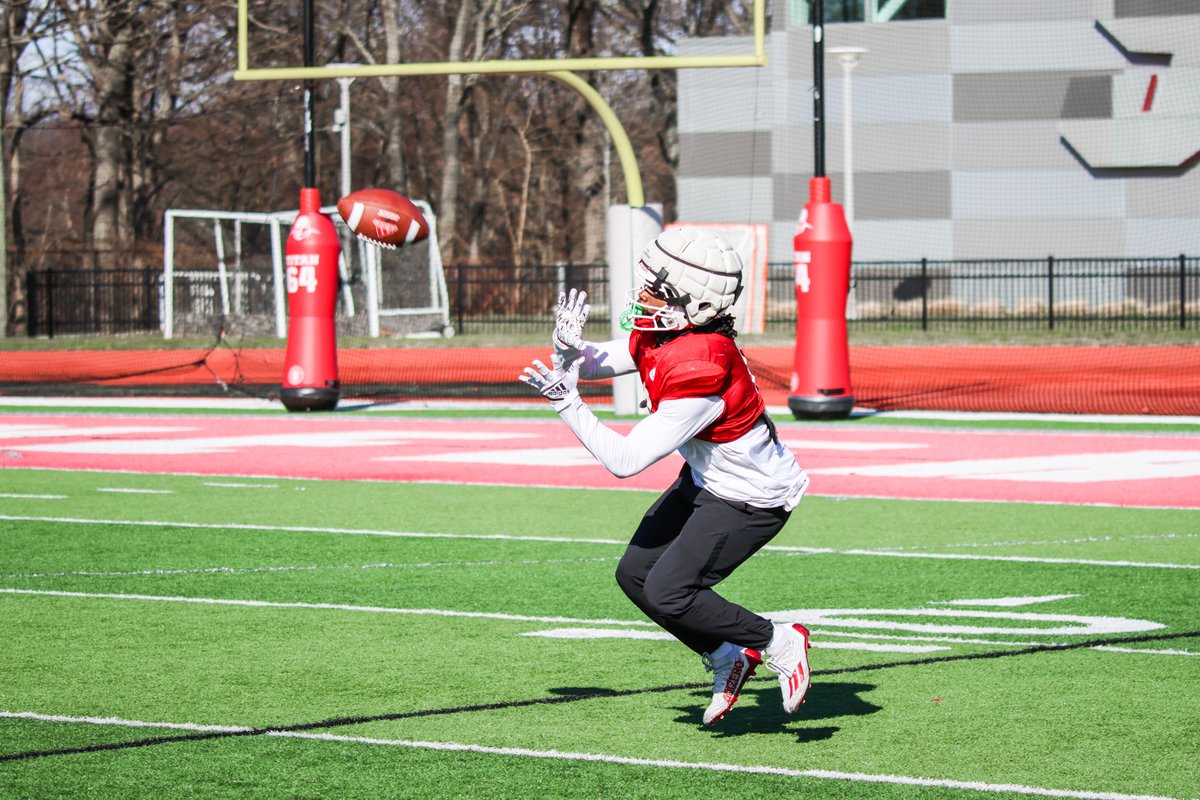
(604, 758)
(308, 529)
(219, 485)
(1145, 650)
(123, 723)
(13, 496)
(569, 540)
(302, 568)
(1077, 540)
(436, 612)
(822, 774)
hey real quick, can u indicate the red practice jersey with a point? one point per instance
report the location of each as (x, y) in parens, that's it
(700, 365)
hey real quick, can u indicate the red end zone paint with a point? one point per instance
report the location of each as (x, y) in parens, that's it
(1108, 468)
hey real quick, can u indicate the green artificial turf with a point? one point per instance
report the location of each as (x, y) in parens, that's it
(298, 607)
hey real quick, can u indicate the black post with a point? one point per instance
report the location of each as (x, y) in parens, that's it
(924, 293)
(819, 89)
(1050, 288)
(458, 295)
(1182, 291)
(147, 305)
(32, 302)
(310, 112)
(50, 303)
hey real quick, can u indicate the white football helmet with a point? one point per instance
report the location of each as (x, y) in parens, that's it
(697, 273)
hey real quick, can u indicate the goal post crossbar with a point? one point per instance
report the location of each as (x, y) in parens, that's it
(244, 71)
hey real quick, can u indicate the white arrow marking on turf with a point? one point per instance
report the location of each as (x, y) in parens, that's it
(1073, 468)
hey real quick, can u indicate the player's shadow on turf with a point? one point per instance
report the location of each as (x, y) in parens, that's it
(759, 708)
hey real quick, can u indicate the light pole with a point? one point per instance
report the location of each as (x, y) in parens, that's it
(848, 56)
(341, 124)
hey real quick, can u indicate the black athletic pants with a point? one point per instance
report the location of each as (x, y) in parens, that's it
(688, 542)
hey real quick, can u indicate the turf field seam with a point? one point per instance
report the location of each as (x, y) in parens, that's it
(338, 722)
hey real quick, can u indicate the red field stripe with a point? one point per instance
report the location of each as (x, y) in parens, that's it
(1110, 468)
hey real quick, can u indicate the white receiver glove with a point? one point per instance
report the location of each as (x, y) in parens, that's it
(557, 385)
(573, 310)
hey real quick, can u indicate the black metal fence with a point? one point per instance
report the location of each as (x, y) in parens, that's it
(1048, 291)
(507, 298)
(1161, 292)
(72, 302)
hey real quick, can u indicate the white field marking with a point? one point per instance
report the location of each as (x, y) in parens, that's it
(820, 774)
(205, 445)
(118, 490)
(1035, 624)
(13, 496)
(434, 612)
(142, 402)
(1004, 602)
(1091, 562)
(1077, 540)
(904, 499)
(622, 633)
(124, 723)
(569, 540)
(614, 489)
(314, 568)
(990, 416)
(560, 755)
(579, 457)
(236, 526)
(59, 431)
(217, 485)
(909, 638)
(1133, 465)
(819, 444)
(1139, 651)
(1084, 625)
(533, 457)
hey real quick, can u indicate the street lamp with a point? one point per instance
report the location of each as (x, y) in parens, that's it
(848, 56)
(341, 124)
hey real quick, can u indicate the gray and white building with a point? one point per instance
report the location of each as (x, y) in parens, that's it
(1008, 129)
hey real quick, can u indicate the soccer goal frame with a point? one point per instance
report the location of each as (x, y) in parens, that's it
(365, 257)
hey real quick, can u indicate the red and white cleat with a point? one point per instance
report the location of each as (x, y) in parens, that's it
(731, 666)
(787, 656)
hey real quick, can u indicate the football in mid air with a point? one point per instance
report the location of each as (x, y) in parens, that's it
(383, 217)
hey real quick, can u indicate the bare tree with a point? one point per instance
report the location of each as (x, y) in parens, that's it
(23, 23)
(137, 113)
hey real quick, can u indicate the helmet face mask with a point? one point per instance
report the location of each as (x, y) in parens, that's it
(696, 275)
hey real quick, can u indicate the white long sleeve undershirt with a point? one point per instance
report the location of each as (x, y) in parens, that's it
(669, 428)
(754, 469)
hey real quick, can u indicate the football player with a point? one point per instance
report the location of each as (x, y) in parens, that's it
(738, 484)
